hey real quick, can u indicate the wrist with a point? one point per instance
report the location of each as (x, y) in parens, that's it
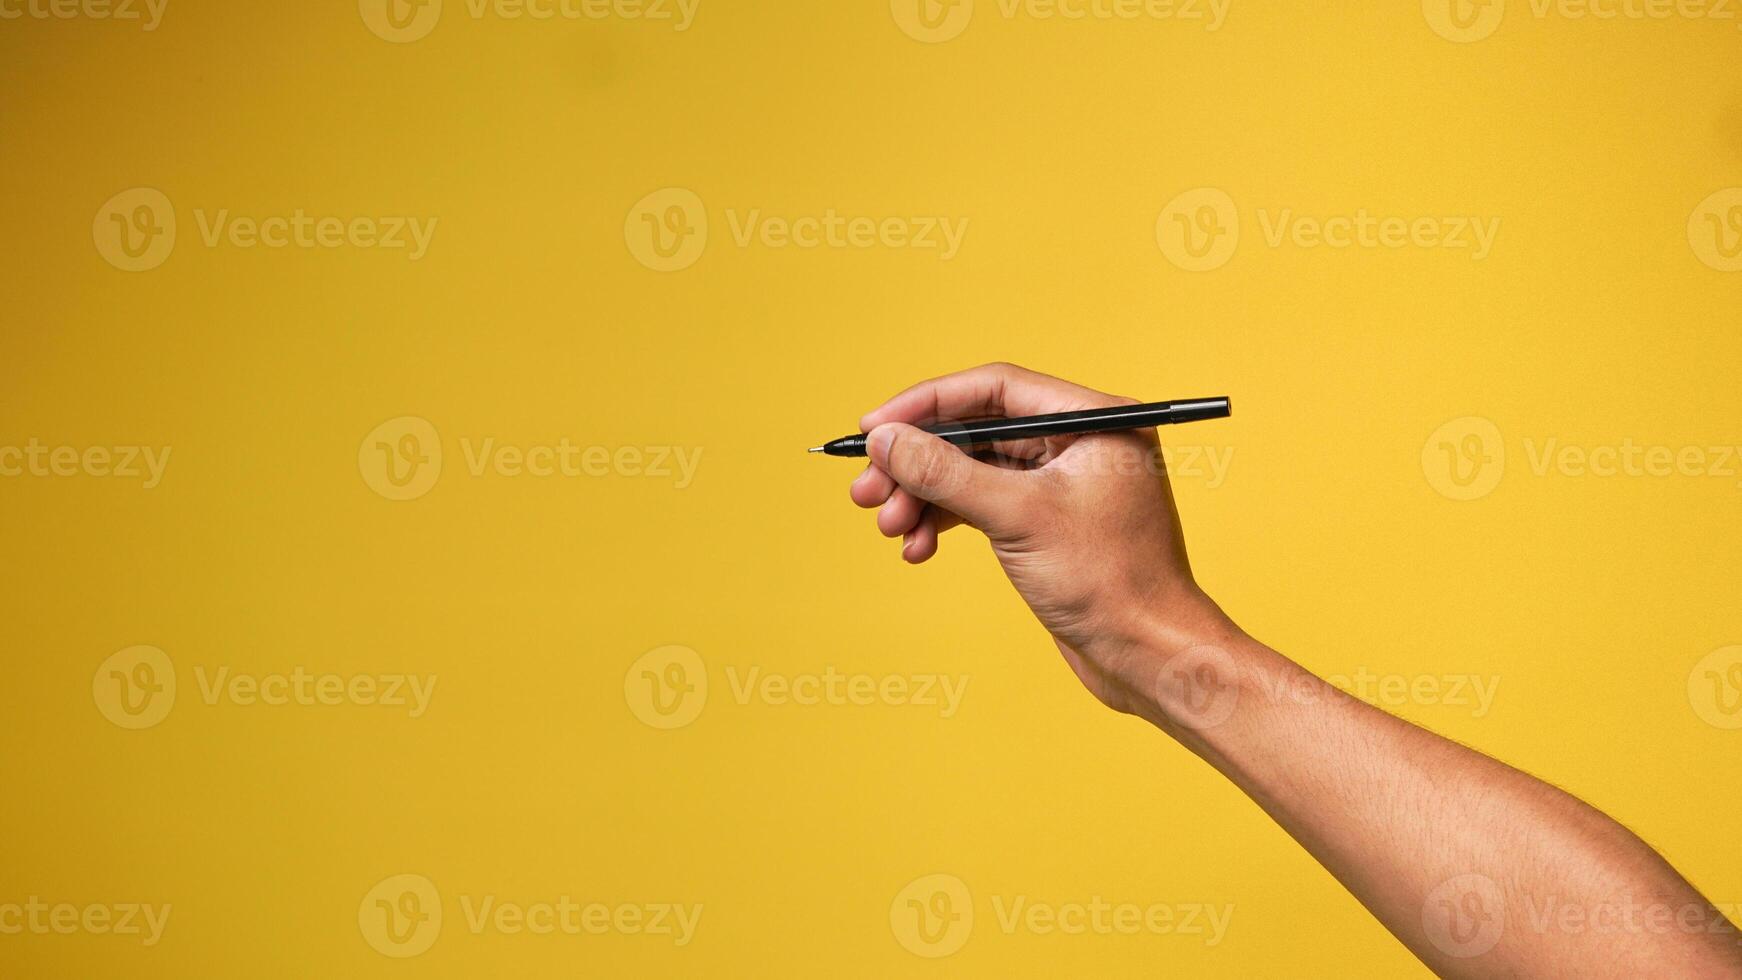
(1200, 677)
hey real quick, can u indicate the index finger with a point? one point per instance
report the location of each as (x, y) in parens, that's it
(988, 391)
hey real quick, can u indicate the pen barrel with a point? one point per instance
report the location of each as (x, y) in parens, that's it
(1075, 423)
(987, 431)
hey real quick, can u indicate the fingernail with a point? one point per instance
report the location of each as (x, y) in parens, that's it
(878, 443)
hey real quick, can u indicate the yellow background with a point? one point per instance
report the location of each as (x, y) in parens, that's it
(529, 321)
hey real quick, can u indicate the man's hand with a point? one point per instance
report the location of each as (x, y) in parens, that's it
(1420, 829)
(1084, 526)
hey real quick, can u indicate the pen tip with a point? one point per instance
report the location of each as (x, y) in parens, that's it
(814, 449)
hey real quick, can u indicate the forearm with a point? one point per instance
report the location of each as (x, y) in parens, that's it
(1432, 836)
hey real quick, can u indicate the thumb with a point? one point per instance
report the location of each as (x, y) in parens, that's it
(936, 471)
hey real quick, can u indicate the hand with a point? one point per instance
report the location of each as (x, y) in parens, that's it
(1084, 526)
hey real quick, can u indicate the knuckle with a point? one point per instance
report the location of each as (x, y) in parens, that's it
(931, 471)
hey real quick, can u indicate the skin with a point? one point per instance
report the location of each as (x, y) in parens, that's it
(1481, 870)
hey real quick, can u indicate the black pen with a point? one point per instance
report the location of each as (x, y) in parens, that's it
(988, 431)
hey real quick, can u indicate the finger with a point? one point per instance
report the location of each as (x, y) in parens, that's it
(871, 487)
(922, 541)
(942, 520)
(935, 471)
(900, 514)
(991, 390)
